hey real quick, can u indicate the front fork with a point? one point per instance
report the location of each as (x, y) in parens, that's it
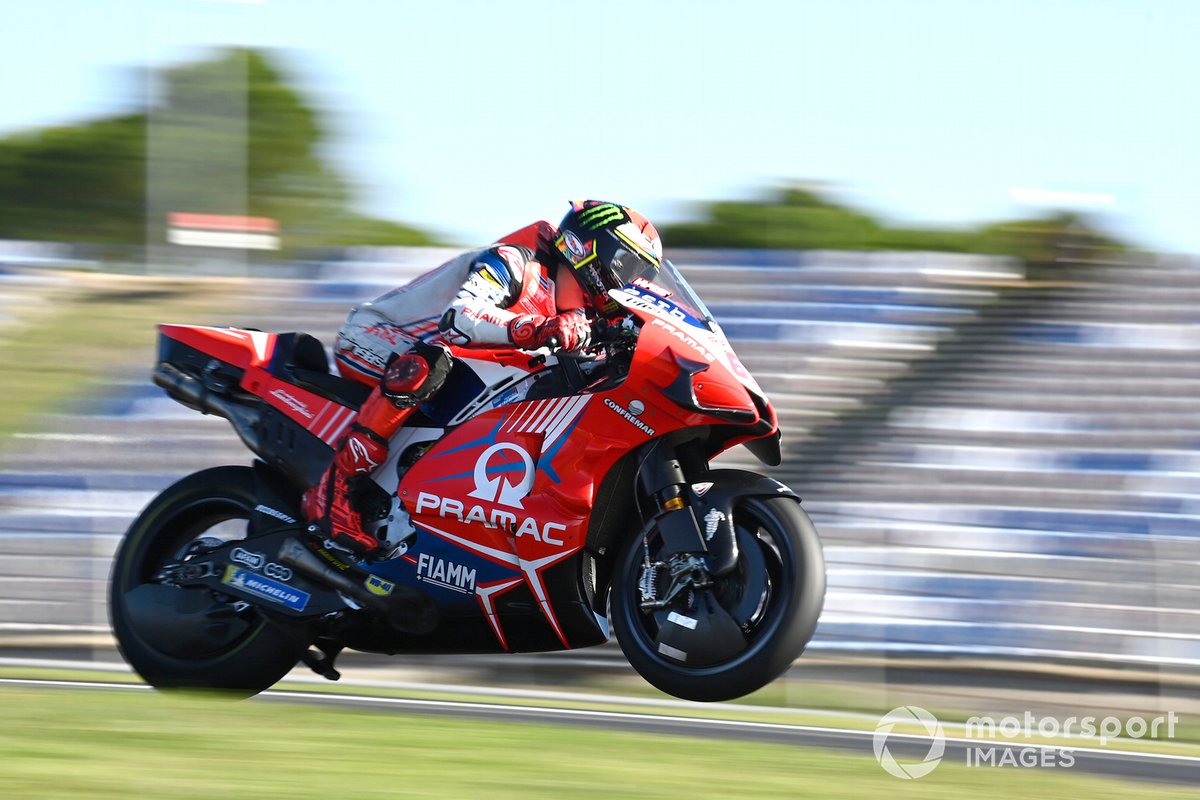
(692, 553)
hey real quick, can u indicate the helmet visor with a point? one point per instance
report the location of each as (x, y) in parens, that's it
(626, 265)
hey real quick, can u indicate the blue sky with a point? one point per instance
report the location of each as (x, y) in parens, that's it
(472, 118)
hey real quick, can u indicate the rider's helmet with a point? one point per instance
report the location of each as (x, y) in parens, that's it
(606, 246)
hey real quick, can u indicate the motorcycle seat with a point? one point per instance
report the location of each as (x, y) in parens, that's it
(309, 367)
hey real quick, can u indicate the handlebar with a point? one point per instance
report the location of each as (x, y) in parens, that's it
(605, 333)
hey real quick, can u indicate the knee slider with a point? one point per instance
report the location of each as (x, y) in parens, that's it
(412, 378)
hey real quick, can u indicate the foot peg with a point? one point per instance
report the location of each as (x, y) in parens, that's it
(321, 663)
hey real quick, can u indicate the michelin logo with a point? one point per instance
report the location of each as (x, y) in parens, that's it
(712, 521)
(265, 588)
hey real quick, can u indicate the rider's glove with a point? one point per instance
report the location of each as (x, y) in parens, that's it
(569, 330)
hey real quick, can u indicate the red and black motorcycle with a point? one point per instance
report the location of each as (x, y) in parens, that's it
(537, 498)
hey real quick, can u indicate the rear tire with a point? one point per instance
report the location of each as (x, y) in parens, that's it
(252, 652)
(774, 596)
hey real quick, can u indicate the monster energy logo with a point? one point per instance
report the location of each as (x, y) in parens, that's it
(599, 216)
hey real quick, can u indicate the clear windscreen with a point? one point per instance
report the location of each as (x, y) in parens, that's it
(668, 283)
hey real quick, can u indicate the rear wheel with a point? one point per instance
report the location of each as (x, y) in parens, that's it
(192, 637)
(743, 631)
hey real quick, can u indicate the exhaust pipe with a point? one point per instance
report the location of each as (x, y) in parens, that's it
(407, 609)
(297, 556)
(194, 394)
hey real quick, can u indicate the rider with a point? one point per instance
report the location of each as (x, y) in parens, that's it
(514, 293)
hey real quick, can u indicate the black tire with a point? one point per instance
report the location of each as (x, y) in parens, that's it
(777, 614)
(252, 653)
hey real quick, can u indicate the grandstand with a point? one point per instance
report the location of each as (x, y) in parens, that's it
(1027, 487)
(998, 466)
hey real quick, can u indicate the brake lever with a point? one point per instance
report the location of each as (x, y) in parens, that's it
(605, 335)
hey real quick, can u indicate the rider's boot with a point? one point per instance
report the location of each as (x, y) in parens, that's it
(330, 503)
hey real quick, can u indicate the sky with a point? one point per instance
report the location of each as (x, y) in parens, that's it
(473, 118)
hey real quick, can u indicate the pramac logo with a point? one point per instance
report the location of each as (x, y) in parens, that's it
(500, 489)
(494, 484)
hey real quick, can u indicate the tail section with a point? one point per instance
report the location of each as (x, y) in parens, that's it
(275, 388)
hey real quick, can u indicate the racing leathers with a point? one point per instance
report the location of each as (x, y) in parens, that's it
(501, 295)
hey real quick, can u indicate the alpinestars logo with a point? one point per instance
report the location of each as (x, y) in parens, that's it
(359, 451)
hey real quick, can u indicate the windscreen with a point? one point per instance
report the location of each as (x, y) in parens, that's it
(668, 283)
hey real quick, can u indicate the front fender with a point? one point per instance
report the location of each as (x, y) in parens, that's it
(713, 500)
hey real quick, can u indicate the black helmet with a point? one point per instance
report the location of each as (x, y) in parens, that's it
(607, 246)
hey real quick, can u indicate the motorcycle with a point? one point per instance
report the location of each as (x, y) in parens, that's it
(537, 499)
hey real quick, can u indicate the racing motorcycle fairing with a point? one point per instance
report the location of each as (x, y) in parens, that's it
(688, 359)
(507, 496)
(500, 474)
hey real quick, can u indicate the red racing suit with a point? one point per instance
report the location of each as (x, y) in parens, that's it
(469, 300)
(483, 297)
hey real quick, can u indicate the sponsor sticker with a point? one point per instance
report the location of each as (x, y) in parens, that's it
(682, 621)
(377, 585)
(272, 512)
(497, 518)
(446, 574)
(277, 571)
(631, 413)
(502, 490)
(299, 406)
(573, 244)
(247, 558)
(332, 559)
(266, 588)
(510, 396)
(672, 652)
(712, 521)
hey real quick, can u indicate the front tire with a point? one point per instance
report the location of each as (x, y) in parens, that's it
(216, 645)
(773, 599)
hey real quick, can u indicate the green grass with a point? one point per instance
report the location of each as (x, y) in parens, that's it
(85, 330)
(73, 744)
(1183, 743)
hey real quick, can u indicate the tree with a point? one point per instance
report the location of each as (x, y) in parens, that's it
(800, 219)
(224, 136)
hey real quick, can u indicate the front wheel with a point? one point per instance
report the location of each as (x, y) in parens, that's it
(743, 631)
(192, 637)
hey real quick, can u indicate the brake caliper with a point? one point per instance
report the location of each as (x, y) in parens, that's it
(682, 571)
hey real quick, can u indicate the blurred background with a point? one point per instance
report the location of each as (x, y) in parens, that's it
(955, 243)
